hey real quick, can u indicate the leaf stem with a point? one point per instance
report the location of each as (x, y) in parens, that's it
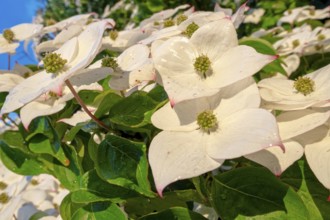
(82, 104)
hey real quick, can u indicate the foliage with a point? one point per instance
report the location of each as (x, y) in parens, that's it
(107, 171)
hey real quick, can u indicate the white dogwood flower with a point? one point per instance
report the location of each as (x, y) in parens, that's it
(72, 57)
(309, 90)
(199, 134)
(9, 39)
(208, 61)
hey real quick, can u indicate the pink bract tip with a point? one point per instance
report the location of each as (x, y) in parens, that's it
(328, 199)
(26, 127)
(172, 103)
(281, 145)
(278, 175)
(274, 57)
(227, 17)
(160, 193)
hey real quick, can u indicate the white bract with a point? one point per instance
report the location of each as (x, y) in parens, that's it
(255, 16)
(200, 134)
(9, 39)
(309, 90)
(78, 53)
(291, 124)
(136, 68)
(78, 117)
(200, 66)
(303, 13)
(49, 104)
(76, 19)
(295, 42)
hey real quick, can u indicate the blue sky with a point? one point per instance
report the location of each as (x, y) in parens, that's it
(13, 12)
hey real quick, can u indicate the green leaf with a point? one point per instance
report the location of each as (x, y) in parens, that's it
(88, 96)
(99, 211)
(13, 139)
(41, 144)
(71, 134)
(68, 208)
(311, 191)
(124, 163)
(158, 94)
(93, 148)
(94, 189)
(21, 162)
(70, 175)
(2, 98)
(134, 111)
(175, 213)
(264, 47)
(155, 5)
(137, 207)
(38, 215)
(40, 125)
(255, 192)
(201, 186)
(311, 22)
(105, 101)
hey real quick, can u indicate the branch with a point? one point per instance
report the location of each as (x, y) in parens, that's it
(82, 104)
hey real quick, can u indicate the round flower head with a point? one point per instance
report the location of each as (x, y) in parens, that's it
(73, 56)
(309, 90)
(199, 134)
(202, 65)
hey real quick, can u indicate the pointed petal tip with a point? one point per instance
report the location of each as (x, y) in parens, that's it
(227, 17)
(172, 102)
(26, 126)
(274, 57)
(245, 3)
(281, 145)
(160, 192)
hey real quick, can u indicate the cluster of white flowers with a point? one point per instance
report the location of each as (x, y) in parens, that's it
(22, 197)
(216, 111)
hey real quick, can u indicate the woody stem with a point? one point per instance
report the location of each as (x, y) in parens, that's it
(82, 104)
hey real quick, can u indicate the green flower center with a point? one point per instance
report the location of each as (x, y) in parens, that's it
(4, 198)
(50, 22)
(318, 47)
(113, 34)
(207, 121)
(311, 12)
(191, 28)
(3, 185)
(168, 23)
(8, 35)
(295, 43)
(89, 21)
(304, 85)
(53, 95)
(181, 18)
(202, 65)
(156, 23)
(53, 63)
(34, 182)
(109, 62)
(320, 37)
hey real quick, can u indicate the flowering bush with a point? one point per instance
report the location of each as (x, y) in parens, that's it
(187, 115)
